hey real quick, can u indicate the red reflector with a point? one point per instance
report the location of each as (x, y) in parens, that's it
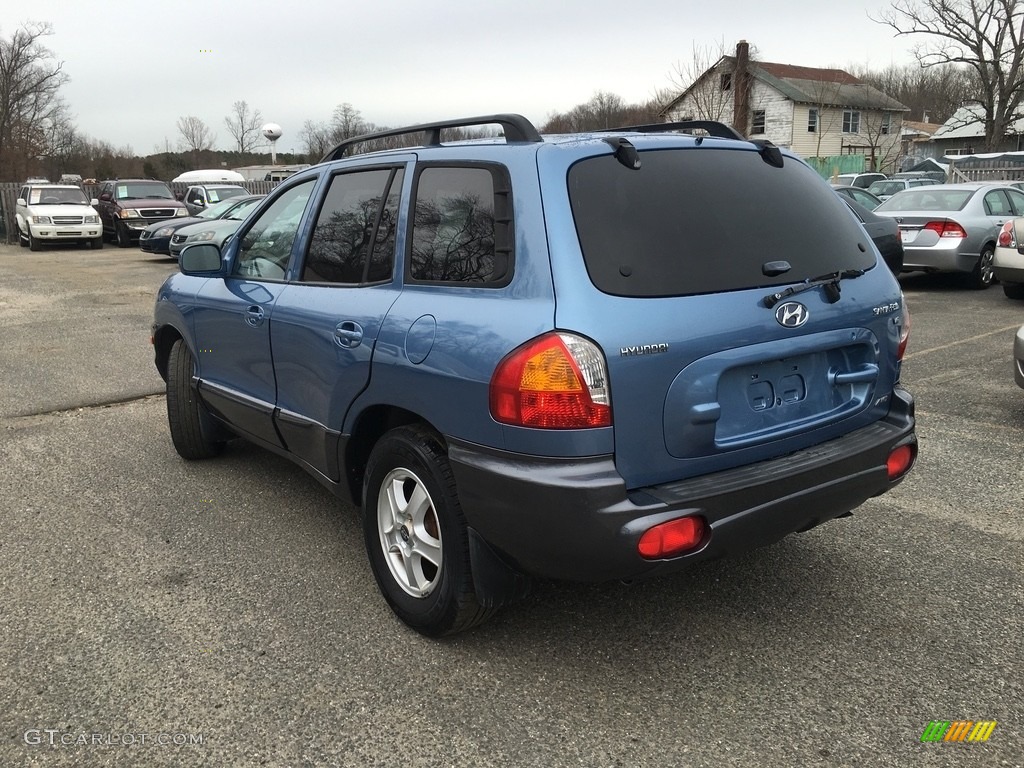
(672, 538)
(900, 461)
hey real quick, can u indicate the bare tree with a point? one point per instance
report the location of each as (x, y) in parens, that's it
(603, 110)
(710, 95)
(316, 137)
(986, 36)
(195, 134)
(932, 93)
(347, 122)
(244, 126)
(30, 105)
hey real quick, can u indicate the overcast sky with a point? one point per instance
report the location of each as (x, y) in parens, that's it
(137, 66)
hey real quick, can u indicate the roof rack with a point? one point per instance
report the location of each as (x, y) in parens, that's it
(712, 127)
(516, 127)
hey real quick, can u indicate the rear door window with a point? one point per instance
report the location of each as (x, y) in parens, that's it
(705, 220)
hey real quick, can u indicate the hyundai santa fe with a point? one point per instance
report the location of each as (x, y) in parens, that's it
(587, 357)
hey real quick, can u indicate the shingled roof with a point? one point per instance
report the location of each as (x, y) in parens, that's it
(808, 85)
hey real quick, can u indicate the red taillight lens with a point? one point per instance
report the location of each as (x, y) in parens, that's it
(1006, 238)
(946, 228)
(556, 381)
(901, 350)
(900, 461)
(672, 538)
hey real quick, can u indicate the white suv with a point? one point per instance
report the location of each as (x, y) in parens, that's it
(52, 212)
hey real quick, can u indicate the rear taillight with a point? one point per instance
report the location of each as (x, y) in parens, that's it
(946, 228)
(676, 537)
(556, 381)
(1006, 236)
(901, 350)
(900, 461)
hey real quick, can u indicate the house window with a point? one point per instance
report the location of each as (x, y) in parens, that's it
(812, 121)
(886, 127)
(851, 121)
(726, 81)
(757, 124)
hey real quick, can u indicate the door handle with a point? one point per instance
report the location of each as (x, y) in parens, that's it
(254, 315)
(348, 334)
(863, 374)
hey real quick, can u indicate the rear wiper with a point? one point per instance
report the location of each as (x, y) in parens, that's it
(830, 283)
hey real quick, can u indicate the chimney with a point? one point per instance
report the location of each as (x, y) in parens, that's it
(741, 88)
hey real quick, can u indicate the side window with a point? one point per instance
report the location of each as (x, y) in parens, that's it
(1016, 201)
(23, 194)
(995, 203)
(462, 226)
(267, 245)
(354, 238)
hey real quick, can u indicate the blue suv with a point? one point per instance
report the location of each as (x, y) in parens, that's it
(587, 357)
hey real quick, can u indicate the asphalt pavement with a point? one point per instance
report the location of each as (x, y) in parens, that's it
(157, 612)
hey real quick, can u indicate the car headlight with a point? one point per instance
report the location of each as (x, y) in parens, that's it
(92, 219)
(41, 220)
(201, 237)
(181, 212)
(164, 232)
(129, 213)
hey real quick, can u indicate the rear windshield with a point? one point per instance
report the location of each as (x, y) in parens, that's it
(887, 187)
(705, 220)
(932, 198)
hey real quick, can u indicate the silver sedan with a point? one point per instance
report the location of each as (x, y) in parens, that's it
(953, 227)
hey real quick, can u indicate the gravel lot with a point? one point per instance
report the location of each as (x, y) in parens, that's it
(228, 605)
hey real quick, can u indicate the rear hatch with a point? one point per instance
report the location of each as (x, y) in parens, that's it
(671, 269)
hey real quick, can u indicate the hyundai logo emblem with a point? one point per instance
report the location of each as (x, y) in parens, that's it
(792, 314)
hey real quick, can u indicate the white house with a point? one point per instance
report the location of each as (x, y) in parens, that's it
(814, 112)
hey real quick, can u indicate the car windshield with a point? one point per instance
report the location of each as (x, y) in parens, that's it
(887, 187)
(927, 199)
(217, 211)
(242, 210)
(57, 196)
(677, 226)
(135, 190)
(216, 194)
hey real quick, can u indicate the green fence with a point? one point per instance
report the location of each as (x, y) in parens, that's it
(829, 166)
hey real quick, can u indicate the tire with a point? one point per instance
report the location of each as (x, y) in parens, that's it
(121, 235)
(1014, 290)
(188, 420)
(22, 240)
(96, 243)
(982, 276)
(33, 244)
(419, 552)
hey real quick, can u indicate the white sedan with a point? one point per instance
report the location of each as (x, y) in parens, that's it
(1008, 261)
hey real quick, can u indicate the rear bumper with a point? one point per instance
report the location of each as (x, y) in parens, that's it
(574, 519)
(942, 257)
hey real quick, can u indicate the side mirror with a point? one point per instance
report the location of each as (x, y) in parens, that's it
(20, 201)
(201, 259)
(94, 201)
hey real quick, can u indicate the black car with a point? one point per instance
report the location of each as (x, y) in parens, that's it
(884, 233)
(156, 238)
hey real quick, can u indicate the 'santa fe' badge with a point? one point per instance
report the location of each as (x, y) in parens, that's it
(792, 314)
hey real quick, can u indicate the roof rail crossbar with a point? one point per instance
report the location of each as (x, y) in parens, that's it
(516, 128)
(713, 128)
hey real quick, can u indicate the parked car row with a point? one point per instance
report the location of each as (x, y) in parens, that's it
(159, 237)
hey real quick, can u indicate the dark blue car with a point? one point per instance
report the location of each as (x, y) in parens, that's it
(586, 357)
(156, 238)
